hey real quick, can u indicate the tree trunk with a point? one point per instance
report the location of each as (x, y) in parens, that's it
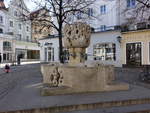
(60, 22)
(60, 47)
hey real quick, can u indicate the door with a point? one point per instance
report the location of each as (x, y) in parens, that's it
(133, 54)
(50, 54)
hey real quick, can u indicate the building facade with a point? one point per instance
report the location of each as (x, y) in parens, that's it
(15, 36)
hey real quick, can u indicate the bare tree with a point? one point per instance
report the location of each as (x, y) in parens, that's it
(61, 11)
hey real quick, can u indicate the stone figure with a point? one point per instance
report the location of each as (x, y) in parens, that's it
(55, 78)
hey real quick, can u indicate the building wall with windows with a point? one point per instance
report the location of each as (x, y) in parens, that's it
(15, 34)
(105, 47)
(102, 15)
(20, 28)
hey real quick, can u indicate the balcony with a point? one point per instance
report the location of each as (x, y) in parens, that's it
(134, 27)
(107, 28)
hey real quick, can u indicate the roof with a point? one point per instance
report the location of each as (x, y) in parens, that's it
(49, 37)
(133, 31)
(2, 5)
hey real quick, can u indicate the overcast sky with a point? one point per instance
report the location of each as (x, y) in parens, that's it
(31, 6)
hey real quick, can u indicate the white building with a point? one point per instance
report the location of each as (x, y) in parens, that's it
(15, 34)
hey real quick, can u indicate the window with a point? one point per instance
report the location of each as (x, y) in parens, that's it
(105, 51)
(68, 1)
(27, 28)
(103, 9)
(19, 25)
(1, 19)
(7, 46)
(103, 28)
(27, 38)
(79, 15)
(19, 36)
(15, 13)
(131, 3)
(11, 24)
(1, 30)
(90, 12)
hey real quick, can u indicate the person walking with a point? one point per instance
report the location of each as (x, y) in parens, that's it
(0, 59)
(7, 68)
(18, 59)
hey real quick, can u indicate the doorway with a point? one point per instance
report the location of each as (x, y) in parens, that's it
(134, 54)
(49, 54)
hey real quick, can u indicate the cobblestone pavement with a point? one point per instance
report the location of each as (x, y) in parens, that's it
(20, 89)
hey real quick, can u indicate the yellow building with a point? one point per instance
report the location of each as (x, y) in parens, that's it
(136, 47)
(41, 27)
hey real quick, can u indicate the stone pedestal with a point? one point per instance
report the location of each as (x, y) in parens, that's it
(77, 39)
(76, 55)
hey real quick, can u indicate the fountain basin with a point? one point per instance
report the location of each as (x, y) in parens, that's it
(79, 79)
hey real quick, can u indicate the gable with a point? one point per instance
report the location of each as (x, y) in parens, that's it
(19, 3)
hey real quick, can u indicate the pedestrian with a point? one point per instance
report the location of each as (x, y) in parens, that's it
(18, 59)
(7, 68)
(0, 59)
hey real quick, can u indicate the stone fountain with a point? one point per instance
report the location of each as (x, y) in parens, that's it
(78, 76)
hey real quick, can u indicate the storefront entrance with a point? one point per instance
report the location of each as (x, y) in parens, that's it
(49, 54)
(133, 54)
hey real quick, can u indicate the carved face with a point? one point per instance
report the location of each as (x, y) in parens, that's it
(77, 35)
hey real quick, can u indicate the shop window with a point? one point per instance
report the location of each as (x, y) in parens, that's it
(103, 28)
(105, 51)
